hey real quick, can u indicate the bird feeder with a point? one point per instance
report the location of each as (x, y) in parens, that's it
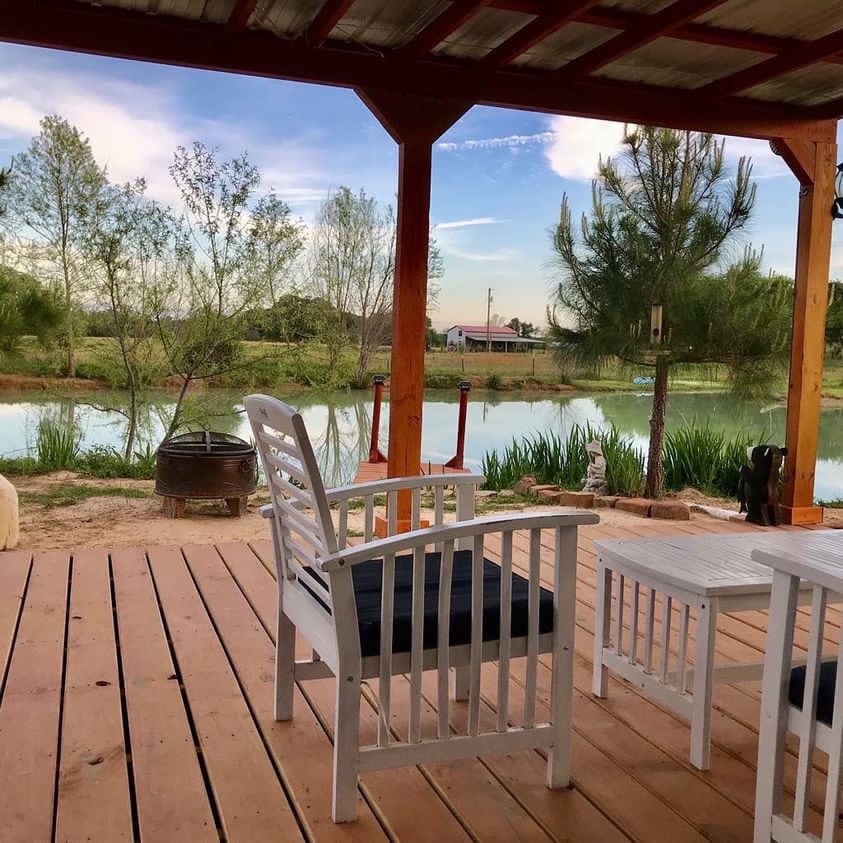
(656, 314)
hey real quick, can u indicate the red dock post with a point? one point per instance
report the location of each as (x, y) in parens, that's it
(375, 454)
(457, 460)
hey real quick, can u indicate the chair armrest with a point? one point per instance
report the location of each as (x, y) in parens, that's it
(458, 530)
(394, 484)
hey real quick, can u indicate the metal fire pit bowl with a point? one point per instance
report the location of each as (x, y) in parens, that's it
(203, 465)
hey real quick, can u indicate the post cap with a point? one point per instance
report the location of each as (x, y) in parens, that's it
(379, 379)
(465, 386)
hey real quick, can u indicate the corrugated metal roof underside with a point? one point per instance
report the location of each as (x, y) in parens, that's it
(666, 61)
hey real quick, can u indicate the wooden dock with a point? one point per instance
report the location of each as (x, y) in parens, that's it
(137, 705)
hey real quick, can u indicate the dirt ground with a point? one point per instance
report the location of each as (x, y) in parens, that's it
(117, 521)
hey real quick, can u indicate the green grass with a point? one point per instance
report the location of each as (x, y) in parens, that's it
(68, 494)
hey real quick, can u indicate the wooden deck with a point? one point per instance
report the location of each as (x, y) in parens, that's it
(136, 705)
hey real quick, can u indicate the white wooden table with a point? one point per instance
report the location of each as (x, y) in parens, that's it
(705, 575)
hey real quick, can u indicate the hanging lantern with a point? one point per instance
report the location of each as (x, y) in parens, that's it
(656, 313)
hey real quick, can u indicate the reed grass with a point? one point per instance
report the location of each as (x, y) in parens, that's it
(56, 445)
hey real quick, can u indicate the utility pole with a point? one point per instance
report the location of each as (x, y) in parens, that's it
(489, 320)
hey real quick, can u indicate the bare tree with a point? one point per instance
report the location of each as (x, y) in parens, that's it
(130, 249)
(56, 193)
(353, 267)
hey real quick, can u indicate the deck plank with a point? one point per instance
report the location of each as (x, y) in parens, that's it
(251, 807)
(14, 573)
(300, 746)
(172, 801)
(31, 706)
(400, 795)
(93, 774)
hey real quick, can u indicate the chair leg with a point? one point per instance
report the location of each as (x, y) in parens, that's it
(346, 748)
(285, 667)
(460, 681)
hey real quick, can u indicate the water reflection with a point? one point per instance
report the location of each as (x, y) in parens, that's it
(340, 422)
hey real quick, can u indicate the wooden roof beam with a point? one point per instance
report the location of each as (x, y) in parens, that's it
(445, 24)
(647, 29)
(535, 31)
(802, 55)
(238, 20)
(326, 19)
(122, 33)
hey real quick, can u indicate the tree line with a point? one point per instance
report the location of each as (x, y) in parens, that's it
(183, 286)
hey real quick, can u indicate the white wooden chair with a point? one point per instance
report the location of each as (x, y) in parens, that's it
(802, 700)
(392, 606)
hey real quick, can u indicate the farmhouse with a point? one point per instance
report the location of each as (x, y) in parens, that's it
(478, 337)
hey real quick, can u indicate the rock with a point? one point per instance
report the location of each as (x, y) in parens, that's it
(485, 493)
(537, 489)
(670, 510)
(606, 501)
(551, 495)
(637, 506)
(524, 484)
(507, 493)
(581, 500)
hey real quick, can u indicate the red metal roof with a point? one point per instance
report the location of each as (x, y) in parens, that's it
(481, 329)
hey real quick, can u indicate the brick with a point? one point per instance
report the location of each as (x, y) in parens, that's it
(606, 501)
(550, 495)
(671, 510)
(581, 500)
(537, 489)
(637, 506)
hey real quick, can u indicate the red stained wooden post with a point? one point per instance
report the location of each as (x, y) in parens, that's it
(414, 123)
(375, 454)
(814, 165)
(459, 458)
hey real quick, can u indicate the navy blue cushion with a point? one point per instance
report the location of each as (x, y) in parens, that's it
(825, 697)
(367, 578)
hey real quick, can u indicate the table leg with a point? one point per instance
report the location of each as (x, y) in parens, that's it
(600, 680)
(703, 682)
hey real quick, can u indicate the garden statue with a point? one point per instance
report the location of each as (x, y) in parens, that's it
(8, 514)
(758, 485)
(595, 475)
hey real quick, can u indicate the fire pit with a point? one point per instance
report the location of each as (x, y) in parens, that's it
(203, 465)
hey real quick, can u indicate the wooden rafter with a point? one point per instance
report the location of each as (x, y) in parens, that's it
(457, 14)
(648, 29)
(536, 30)
(326, 19)
(797, 57)
(615, 17)
(121, 33)
(238, 20)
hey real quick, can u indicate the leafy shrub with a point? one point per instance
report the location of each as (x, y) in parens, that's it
(493, 381)
(104, 462)
(56, 446)
(442, 380)
(21, 467)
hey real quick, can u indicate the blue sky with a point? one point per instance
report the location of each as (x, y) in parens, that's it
(498, 175)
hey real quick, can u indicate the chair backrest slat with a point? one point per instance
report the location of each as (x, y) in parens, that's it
(667, 616)
(416, 644)
(505, 632)
(619, 616)
(443, 632)
(650, 623)
(476, 647)
(532, 629)
(387, 612)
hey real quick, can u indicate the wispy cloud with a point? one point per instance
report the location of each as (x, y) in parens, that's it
(467, 223)
(490, 255)
(506, 142)
(134, 130)
(573, 145)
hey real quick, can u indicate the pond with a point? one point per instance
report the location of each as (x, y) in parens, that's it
(340, 422)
